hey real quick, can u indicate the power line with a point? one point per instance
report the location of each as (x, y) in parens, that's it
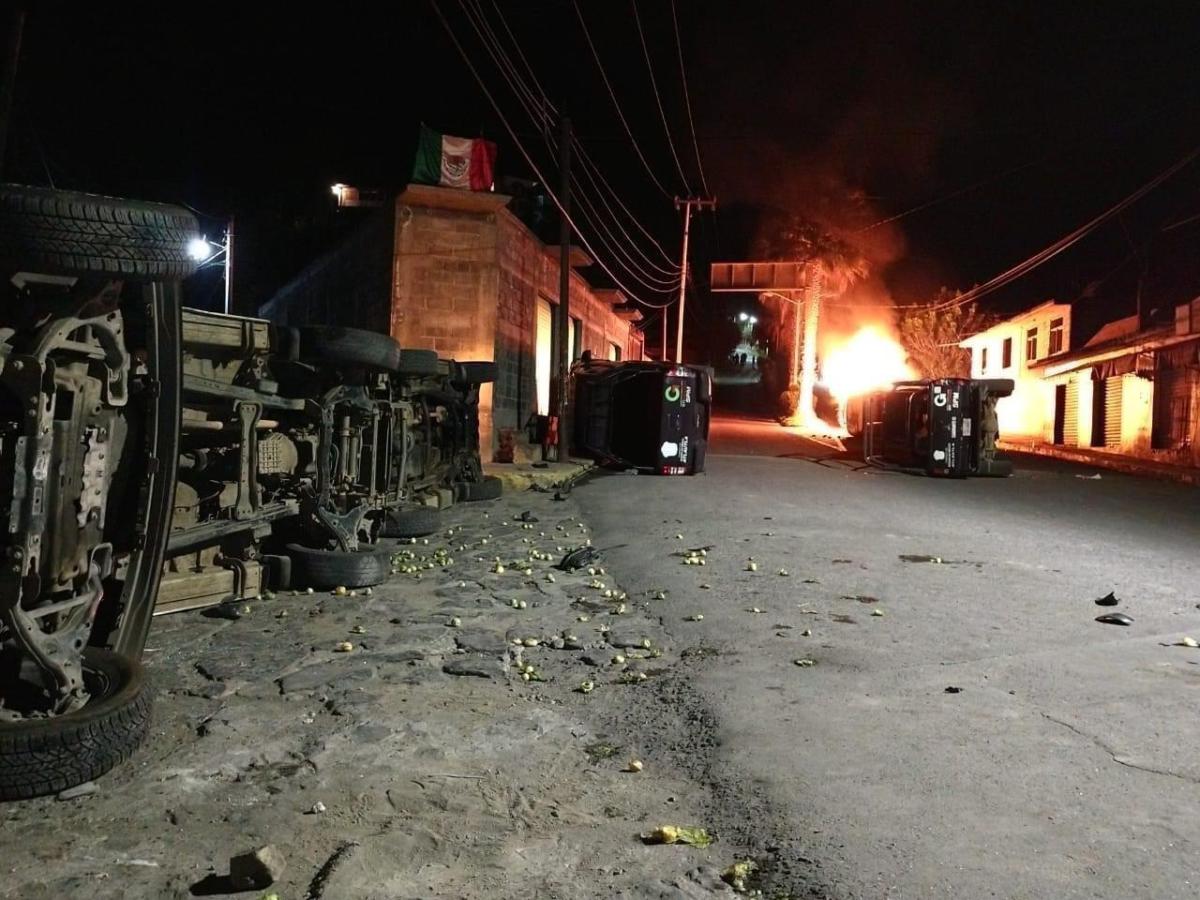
(517, 44)
(616, 104)
(532, 104)
(688, 100)
(597, 178)
(957, 193)
(658, 97)
(529, 159)
(1028, 265)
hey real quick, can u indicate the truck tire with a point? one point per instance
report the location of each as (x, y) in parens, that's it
(337, 568)
(419, 363)
(61, 232)
(417, 521)
(349, 347)
(476, 372)
(45, 756)
(489, 489)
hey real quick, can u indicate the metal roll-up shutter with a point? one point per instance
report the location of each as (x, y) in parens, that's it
(1173, 389)
(1112, 411)
(1071, 415)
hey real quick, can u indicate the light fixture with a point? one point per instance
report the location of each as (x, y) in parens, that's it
(199, 249)
(753, 320)
(742, 317)
(337, 189)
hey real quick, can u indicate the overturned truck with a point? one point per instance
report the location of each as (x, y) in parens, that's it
(944, 427)
(143, 443)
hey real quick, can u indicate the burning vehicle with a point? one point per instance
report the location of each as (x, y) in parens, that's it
(141, 443)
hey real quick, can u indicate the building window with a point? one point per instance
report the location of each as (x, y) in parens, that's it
(1056, 336)
(614, 352)
(983, 360)
(1031, 345)
(1006, 354)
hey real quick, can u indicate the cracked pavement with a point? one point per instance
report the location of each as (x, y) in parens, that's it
(1064, 765)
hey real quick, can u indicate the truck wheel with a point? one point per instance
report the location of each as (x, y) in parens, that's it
(418, 363)
(417, 521)
(349, 347)
(489, 489)
(45, 756)
(337, 568)
(62, 232)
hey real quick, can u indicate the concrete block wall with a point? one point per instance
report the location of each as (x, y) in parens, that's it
(445, 283)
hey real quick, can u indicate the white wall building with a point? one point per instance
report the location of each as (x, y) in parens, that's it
(1017, 348)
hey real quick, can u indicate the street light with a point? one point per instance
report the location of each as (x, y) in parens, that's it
(205, 252)
(742, 317)
(201, 250)
(753, 320)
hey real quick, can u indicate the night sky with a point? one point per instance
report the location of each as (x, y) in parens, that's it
(846, 113)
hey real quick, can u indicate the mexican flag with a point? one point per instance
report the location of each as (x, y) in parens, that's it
(465, 163)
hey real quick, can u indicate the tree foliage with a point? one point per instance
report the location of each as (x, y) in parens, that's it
(794, 236)
(931, 335)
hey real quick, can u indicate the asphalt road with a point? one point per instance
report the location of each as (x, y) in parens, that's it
(1066, 764)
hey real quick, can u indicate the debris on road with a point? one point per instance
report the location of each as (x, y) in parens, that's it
(343, 647)
(316, 887)
(737, 876)
(678, 834)
(601, 750)
(80, 790)
(877, 612)
(635, 765)
(1096, 476)
(1109, 599)
(1114, 619)
(952, 690)
(317, 808)
(920, 558)
(256, 869)
(805, 663)
(1187, 642)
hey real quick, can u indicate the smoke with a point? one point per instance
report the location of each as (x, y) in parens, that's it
(841, 125)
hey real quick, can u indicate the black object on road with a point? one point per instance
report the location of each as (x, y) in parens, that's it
(1115, 619)
(578, 558)
(649, 416)
(953, 690)
(1109, 599)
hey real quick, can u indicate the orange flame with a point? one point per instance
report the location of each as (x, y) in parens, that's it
(869, 360)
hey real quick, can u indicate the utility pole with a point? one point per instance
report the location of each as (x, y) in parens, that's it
(687, 204)
(665, 310)
(12, 55)
(564, 284)
(229, 268)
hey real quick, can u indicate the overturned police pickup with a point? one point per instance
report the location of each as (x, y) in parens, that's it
(944, 427)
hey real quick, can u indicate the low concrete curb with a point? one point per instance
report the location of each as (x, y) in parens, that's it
(555, 476)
